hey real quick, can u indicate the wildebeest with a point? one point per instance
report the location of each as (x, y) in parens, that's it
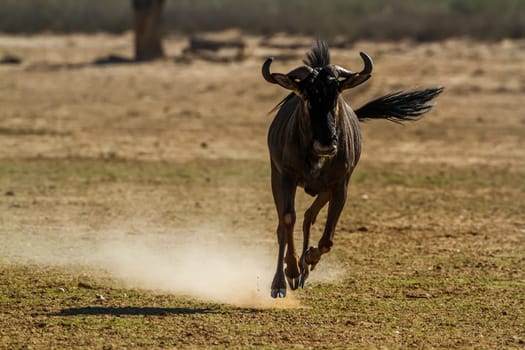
(315, 143)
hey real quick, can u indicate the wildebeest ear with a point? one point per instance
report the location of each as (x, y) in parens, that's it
(288, 81)
(285, 81)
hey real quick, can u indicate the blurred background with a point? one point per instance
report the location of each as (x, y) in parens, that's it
(421, 20)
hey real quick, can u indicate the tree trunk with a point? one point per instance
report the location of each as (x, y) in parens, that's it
(148, 29)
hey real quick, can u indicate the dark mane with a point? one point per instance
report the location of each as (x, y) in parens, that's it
(283, 102)
(319, 56)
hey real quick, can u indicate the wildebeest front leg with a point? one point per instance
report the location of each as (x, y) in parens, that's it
(309, 219)
(283, 188)
(337, 203)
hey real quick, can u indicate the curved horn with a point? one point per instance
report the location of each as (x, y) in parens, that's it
(369, 64)
(353, 79)
(342, 72)
(288, 81)
(266, 71)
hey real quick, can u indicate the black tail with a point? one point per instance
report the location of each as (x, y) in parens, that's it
(399, 106)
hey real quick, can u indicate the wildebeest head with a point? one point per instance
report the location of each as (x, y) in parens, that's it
(319, 83)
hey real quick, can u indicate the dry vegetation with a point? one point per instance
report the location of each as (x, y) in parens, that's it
(373, 19)
(429, 252)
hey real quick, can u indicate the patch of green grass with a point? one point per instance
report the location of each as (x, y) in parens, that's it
(433, 177)
(503, 284)
(365, 311)
(229, 172)
(29, 132)
(91, 171)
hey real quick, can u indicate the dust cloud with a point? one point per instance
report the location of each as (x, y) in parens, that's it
(203, 264)
(214, 270)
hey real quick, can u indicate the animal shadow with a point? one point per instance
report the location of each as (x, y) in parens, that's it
(132, 311)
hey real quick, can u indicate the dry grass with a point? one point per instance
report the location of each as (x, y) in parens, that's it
(429, 251)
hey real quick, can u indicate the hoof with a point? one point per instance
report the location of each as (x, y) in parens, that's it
(293, 282)
(302, 280)
(305, 272)
(278, 293)
(312, 257)
(278, 286)
(307, 263)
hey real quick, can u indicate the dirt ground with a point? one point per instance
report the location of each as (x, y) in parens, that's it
(135, 207)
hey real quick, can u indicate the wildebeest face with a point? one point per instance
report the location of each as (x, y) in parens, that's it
(319, 91)
(319, 88)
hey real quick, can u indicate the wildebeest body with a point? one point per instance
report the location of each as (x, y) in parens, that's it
(290, 142)
(315, 143)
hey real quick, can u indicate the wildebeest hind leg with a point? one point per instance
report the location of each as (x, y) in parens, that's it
(309, 219)
(337, 202)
